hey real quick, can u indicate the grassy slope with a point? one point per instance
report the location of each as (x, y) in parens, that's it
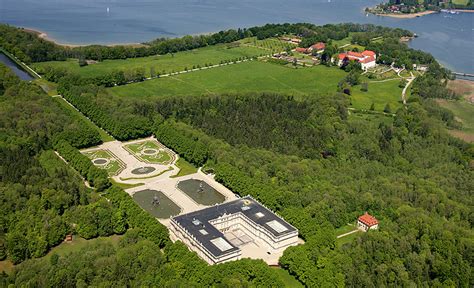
(263, 77)
(464, 113)
(380, 94)
(239, 78)
(177, 62)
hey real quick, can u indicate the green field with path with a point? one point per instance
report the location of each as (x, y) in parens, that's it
(258, 76)
(253, 76)
(161, 63)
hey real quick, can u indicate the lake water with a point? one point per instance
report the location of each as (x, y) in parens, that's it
(17, 70)
(450, 38)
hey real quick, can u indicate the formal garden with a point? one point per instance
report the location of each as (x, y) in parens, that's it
(106, 160)
(151, 151)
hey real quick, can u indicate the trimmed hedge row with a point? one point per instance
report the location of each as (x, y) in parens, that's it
(126, 128)
(96, 176)
(189, 148)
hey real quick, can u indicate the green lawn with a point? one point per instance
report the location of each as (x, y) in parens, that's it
(114, 165)
(460, 2)
(161, 63)
(74, 113)
(254, 76)
(287, 279)
(155, 151)
(464, 112)
(379, 93)
(348, 238)
(185, 167)
(257, 76)
(344, 229)
(125, 186)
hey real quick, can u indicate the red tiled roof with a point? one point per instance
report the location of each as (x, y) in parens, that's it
(342, 56)
(367, 60)
(368, 220)
(318, 46)
(355, 54)
(301, 50)
(368, 53)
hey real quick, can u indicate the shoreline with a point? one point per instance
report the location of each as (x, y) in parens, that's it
(44, 36)
(408, 15)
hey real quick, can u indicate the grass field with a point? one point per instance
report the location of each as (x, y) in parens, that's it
(257, 76)
(113, 166)
(161, 63)
(150, 152)
(254, 76)
(185, 167)
(348, 238)
(464, 112)
(379, 93)
(460, 2)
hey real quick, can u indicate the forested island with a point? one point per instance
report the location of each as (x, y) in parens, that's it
(317, 140)
(416, 8)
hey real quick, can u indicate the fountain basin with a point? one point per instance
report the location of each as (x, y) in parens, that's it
(143, 170)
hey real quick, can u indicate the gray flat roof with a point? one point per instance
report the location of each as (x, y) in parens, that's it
(197, 221)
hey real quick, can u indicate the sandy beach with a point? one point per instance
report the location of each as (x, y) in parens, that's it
(407, 16)
(44, 35)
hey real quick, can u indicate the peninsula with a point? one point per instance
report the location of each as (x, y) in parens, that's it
(412, 9)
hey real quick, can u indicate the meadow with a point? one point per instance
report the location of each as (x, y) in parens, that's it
(160, 63)
(257, 76)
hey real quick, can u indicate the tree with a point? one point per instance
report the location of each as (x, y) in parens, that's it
(365, 87)
(372, 107)
(387, 108)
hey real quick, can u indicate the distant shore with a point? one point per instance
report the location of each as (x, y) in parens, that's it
(407, 15)
(44, 35)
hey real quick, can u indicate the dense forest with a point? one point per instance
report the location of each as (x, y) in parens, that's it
(43, 199)
(310, 160)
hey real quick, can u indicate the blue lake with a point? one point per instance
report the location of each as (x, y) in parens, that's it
(450, 38)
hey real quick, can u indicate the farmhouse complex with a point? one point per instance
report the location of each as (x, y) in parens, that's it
(236, 229)
(366, 58)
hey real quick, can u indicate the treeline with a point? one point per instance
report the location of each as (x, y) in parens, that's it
(28, 47)
(433, 83)
(393, 51)
(187, 147)
(95, 176)
(138, 262)
(361, 33)
(115, 120)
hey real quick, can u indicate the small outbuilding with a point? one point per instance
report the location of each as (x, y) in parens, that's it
(366, 222)
(68, 238)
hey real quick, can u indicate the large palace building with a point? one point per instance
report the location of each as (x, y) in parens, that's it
(222, 232)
